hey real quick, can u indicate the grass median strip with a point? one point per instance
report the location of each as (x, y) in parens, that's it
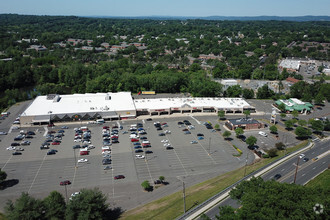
(171, 206)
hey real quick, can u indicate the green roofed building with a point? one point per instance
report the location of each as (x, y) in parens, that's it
(295, 104)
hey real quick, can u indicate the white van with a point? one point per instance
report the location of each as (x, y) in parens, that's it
(133, 136)
(100, 121)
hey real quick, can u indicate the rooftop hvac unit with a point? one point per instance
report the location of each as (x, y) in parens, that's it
(108, 97)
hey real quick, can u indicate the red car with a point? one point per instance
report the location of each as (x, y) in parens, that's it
(50, 125)
(105, 127)
(84, 152)
(55, 143)
(134, 140)
(164, 123)
(119, 177)
(65, 182)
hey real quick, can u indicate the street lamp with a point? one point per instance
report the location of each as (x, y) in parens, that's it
(209, 146)
(246, 160)
(65, 183)
(75, 159)
(183, 194)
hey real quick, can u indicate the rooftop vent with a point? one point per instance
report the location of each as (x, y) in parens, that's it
(108, 97)
(56, 98)
(51, 96)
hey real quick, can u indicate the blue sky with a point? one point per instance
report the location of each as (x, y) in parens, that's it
(167, 7)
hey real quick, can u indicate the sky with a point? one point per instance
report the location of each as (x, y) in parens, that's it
(201, 8)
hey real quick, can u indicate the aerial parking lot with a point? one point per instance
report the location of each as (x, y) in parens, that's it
(185, 151)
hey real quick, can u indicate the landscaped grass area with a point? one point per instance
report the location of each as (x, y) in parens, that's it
(322, 180)
(171, 206)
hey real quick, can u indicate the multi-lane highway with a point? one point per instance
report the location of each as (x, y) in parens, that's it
(307, 170)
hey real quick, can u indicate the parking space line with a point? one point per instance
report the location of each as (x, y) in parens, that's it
(198, 122)
(149, 171)
(35, 177)
(177, 156)
(7, 161)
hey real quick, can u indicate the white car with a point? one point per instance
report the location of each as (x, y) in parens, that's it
(77, 140)
(74, 194)
(11, 148)
(106, 152)
(191, 127)
(139, 156)
(3, 133)
(301, 155)
(90, 147)
(82, 160)
(193, 142)
(262, 133)
(167, 132)
(164, 141)
(167, 145)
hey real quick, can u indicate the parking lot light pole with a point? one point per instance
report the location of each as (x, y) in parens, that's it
(246, 160)
(209, 146)
(66, 193)
(184, 197)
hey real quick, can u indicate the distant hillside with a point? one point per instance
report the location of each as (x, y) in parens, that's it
(229, 18)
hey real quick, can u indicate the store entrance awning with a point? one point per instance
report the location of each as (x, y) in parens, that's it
(41, 118)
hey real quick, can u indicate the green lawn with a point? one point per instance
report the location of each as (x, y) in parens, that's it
(170, 207)
(322, 180)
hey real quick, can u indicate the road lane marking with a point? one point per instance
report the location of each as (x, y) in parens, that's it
(303, 174)
(35, 177)
(282, 170)
(184, 169)
(314, 168)
(46, 130)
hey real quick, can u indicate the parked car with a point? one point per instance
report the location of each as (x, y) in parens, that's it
(143, 138)
(15, 144)
(106, 161)
(262, 133)
(134, 140)
(305, 159)
(84, 152)
(149, 119)
(277, 176)
(193, 142)
(119, 177)
(65, 182)
(17, 153)
(187, 132)
(64, 127)
(169, 148)
(30, 133)
(82, 160)
(56, 143)
(148, 152)
(76, 146)
(107, 168)
(50, 152)
(43, 147)
(200, 134)
(200, 138)
(25, 143)
(138, 156)
(138, 151)
(161, 134)
(19, 149)
(3, 133)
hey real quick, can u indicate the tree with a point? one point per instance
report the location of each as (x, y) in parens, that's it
(162, 178)
(264, 92)
(247, 113)
(281, 107)
(295, 113)
(272, 152)
(54, 206)
(261, 199)
(248, 93)
(3, 176)
(288, 124)
(302, 132)
(317, 125)
(273, 129)
(146, 185)
(280, 146)
(233, 91)
(282, 115)
(217, 127)
(251, 141)
(226, 134)
(239, 132)
(89, 204)
(319, 99)
(302, 123)
(221, 114)
(25, 207)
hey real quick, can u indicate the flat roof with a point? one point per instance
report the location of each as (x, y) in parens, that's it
(240, 121)
(80, 103)
(166, 103)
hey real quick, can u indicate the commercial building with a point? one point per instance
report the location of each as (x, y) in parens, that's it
(295, 104)
(244, 123)
(76, 107)
(121, 105)
(166, 106)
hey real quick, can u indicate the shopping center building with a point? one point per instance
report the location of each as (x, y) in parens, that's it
(121, 105)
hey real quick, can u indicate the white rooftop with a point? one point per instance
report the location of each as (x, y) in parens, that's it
(166, 103)
(80, 103)
(290, 64)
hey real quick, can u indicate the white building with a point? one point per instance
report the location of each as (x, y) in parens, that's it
(45, 109)
(290, 64)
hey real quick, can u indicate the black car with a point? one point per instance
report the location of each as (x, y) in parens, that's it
(161, 134)
(143, 138)
(305, 159)
(169, 148)
(180, 123)
(148, 152)
(277, 176)
(18, 138)
(138, 151)
(30, 133)
(60, 131)
(50, 152)
(159, 128)
(139, 125)
(28, 136)
(43, 147)
(209, 126)
(147, 146)
(149, 119)
(49, 140)
(200, 134)
(15, 144)
(115, 141)
(17, 153)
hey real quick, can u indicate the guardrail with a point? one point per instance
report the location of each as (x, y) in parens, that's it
(191, 211)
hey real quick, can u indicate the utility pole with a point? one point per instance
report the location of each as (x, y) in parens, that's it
(295, 175)
(184, 197)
